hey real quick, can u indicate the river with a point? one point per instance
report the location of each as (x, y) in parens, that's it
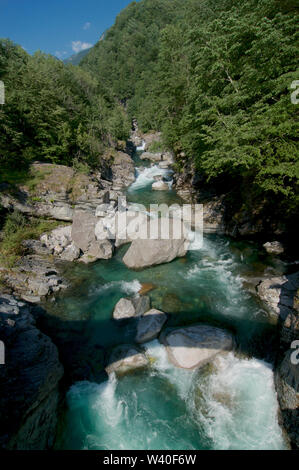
(230, 405)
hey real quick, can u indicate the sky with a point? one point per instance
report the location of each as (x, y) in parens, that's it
(58, 27)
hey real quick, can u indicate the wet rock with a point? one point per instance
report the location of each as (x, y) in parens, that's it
(197, 345)
(274, 248)
(28, 380)
(149, 325)
(126, 358)
(160, 186)
(281, 296)
(287, 386)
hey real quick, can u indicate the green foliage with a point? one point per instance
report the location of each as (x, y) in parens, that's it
(215, 77)
(52, 112)
(16, 229)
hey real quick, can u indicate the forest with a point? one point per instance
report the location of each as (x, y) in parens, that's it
(214, 76)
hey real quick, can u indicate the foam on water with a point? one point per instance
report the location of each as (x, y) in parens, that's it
(141, 147)
(146, 176)
(240, 406)
(127, 287)
(232, 407)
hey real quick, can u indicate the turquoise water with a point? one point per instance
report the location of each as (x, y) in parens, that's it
(230, 405)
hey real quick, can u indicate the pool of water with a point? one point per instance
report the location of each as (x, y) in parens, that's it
(230, 405)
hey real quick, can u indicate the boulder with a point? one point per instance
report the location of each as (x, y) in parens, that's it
(84, 233)
(160, 186)
(194, 346)
(143, 253)
(124, 309)
(154, 157)
(142, 303)
(83, 230)
(131, 307)
(98, 250)
(149, 325)
(274, 248)
(126, 358)
(70, 253)
(123, 170)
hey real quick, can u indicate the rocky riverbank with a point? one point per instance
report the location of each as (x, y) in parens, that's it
(32, 371)
(29, 379)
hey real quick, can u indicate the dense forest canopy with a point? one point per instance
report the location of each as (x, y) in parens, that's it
(54, 112)
(213, 75)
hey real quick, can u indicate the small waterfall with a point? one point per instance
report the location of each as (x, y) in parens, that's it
(141, 147)
(145, 177)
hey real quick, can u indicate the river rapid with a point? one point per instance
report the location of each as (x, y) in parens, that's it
(231, 404)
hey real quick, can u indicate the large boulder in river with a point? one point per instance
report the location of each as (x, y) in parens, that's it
(171, 242)
(149, 325)
(126, 358)
(196, 345)
(144, 253)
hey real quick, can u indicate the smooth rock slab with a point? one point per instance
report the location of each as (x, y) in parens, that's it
(126, 358)
(196, 345)
(150, 325)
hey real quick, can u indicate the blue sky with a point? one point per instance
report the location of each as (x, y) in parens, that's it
(58, 27)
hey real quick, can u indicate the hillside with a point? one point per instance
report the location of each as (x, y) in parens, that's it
(215, 78)
(75, 59)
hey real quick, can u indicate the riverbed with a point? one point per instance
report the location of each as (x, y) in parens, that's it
(231, 404)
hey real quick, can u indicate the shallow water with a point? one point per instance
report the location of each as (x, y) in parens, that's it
(231, 405)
